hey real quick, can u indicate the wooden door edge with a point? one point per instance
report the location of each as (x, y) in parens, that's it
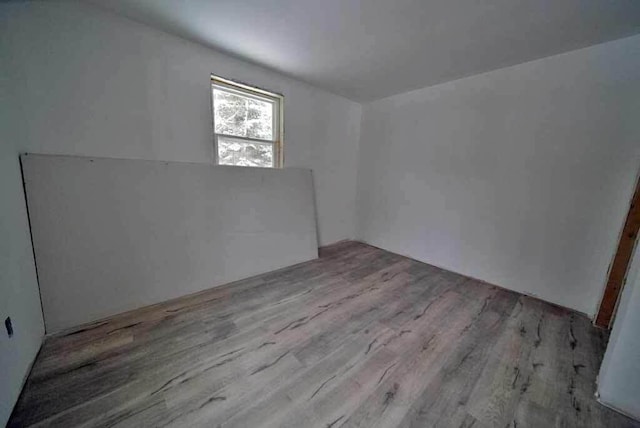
(620, 265)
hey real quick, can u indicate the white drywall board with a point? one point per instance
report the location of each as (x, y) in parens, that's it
(521, 177)
(112, 235)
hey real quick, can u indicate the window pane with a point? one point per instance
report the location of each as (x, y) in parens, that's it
(242, 116)
(260, 120)
(232, 151)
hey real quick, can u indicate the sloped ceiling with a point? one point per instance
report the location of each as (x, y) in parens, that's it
(370, 49)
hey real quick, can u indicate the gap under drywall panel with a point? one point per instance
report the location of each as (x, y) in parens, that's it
(111, 235)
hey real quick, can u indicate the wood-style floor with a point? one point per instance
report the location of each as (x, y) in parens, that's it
(360, 337)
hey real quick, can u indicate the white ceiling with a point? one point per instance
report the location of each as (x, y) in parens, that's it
(370, 49)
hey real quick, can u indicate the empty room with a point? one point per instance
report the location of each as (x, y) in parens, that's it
(338, 213)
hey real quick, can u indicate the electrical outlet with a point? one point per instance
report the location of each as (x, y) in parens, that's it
(9, 326)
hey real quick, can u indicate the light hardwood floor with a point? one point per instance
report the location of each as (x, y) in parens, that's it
(360, 337)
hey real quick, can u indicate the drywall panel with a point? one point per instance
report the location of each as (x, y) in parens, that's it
(619, 379)
(112, 235)
(521, 177)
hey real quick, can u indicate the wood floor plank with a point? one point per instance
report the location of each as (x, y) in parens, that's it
(358, 338)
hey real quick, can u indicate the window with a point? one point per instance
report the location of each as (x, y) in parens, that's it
(247, 125)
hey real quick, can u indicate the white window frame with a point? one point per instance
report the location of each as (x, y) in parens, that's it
(277, 101)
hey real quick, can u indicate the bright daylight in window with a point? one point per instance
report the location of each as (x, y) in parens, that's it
(247, 125)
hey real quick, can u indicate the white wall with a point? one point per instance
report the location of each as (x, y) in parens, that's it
(111, 235)
(619, 379)
(521, 176)
(89, 82)
(79, 81)
(19, 298)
